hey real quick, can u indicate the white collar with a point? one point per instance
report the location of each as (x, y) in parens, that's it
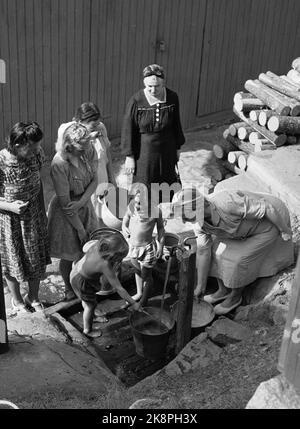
(153, 100)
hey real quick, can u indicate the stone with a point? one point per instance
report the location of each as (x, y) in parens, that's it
(146, 403)
(35, 325)
(42, 367)
(275, 393)
(225, 331)
(198, 353)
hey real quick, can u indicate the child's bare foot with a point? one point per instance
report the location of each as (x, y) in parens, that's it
(94, 333)
(100, 319)
(137, 296)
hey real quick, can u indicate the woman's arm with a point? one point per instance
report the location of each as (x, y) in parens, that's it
(18, 207)
(274, 216)
(203, 260)
(125, 223)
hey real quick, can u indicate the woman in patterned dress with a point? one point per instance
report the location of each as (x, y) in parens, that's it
(71, 216)
(151, 132)
(24, 243)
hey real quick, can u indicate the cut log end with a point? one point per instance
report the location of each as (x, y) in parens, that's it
(273, 123)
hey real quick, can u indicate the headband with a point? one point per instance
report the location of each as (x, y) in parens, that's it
(154, 70)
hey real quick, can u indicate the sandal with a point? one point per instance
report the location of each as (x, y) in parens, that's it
(20, 308)
(36, 305)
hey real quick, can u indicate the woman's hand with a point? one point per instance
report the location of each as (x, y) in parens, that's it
(286, 236)
(129, 165)
(18, 207)
(72, 208)
(126, 231)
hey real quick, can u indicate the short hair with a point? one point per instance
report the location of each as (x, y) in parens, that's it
(154, 69)
(87, 112)
(112, 245)
(23, 133)
(70, 136)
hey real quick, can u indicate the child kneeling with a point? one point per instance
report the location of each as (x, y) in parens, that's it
(101, 258)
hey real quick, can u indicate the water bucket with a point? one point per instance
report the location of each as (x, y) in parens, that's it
(113, 207)
(151, 342)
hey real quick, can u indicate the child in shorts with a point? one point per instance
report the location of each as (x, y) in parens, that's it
(101, 257)
(138, 225)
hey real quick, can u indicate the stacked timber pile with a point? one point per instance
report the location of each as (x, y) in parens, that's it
(269, 117)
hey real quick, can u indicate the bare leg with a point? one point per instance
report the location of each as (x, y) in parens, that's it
(14, 288)
(65, 268)
(147, 284)
(88, 314)
(138, 281)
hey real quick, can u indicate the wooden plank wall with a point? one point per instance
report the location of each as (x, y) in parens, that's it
(59, 53)
(243, 39)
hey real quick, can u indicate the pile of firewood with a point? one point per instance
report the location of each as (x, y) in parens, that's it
(269, 115)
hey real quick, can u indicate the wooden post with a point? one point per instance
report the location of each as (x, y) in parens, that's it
(289, 357)
(3, 326)
(285, 124)
(271, 99)
(277, 140)
(264, 116)
(294, 76)
(186, 285)
(282, 87)
(233, 128)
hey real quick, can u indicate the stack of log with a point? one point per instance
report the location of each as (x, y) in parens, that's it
(269, 117)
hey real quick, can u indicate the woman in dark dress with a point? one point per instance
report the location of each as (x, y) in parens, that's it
(151, 132)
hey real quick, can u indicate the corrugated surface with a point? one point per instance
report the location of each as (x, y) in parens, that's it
(60, 53)
(241, 40)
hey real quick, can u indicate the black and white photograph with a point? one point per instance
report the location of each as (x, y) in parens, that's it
(149, 208)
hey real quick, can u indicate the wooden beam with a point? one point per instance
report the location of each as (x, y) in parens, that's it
(233, 128)
(268, 96)
(277, 140)
(246, 105)
(294, 75)
(280, 86)
(296, 64)
(186, 285)
(63, 305)
(231, 167)
(264, 116)
(289, 357)
(222, 149)
(284, 124)
(244, 132)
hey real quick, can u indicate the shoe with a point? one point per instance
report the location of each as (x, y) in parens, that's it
(211, 300)
(36, 305)
(220, 310)
(20, 308)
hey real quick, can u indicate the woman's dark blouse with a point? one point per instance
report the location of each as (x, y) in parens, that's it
(152, 134)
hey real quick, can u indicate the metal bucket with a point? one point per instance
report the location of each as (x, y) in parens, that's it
(151, 343)
(113, 207)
